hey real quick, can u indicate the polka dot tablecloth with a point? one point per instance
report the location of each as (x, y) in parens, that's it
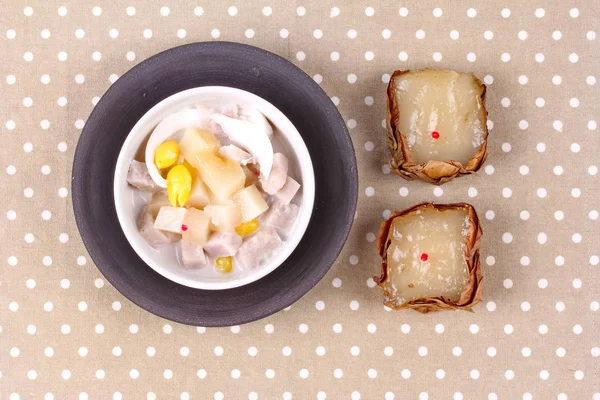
(65, 333)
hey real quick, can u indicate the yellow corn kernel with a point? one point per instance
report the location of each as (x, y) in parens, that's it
(179, 185)
(247, 227)
(166, 154)
(224, 264)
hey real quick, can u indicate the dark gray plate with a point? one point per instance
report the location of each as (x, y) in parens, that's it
(224, 64)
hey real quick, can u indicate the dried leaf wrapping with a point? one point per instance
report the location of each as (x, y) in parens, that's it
(471, 294)
(436, 172)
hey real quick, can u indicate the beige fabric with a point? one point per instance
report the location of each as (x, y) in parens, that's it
(534, 337)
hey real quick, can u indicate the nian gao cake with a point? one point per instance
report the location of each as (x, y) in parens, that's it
(436, 124)
(430, 258)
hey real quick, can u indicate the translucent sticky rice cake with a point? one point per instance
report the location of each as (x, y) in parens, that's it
(431, 258)
(436, 124)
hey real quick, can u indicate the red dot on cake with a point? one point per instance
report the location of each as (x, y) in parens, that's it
(184, 228)
(435, 135)
(424, 257)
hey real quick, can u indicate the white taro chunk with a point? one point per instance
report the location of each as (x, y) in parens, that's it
(196, 226)
(236, 154)
(278, 174)
(251, 202)
(192, 255)
(288, 191)
(223, 244)
(281, 216)
(170, 219)
(224, 217)
(139, 177)
(153, 236)
(258, 247)
(199, 195)
(159, 199)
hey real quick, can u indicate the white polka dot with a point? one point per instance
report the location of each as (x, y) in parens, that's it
(437, 56)
(301, 11)
(420, 34)
(491, 351)
(507, 237)
(317, 34)
(249, 33)
(79, 78)
(539, 57)
(543, 329)
(556, 79)
(505, 57)
(573, 58)
(541, 147)
(11, 215)
(556, 35)
(525, 261)
(542, 193)
(540, 12)
(543, 283)
(490, 260)
(454, 35)
(147, 33)
(402, 56)
(506, 193)
(474, 374)
(405, 328)
(437, 12)
(351, 78)
(267, 11)
(523, 125)
(422, 351)
(438, 192)
(522, 35)
(471, 57)
(506, 147)
(594, 306)
(574, 12)
(523, 79)
(542, 238)
(471, 12)
(66, 374)
(593, 215)
(168, 374)
(508, 329)
(116, 305)
(578, 375)
(592, 125)
(386, 33)
(591, 35)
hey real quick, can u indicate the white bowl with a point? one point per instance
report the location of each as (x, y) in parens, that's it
(129, 201)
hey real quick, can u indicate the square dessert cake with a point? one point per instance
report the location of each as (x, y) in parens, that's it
(436, 124)
(431, 258)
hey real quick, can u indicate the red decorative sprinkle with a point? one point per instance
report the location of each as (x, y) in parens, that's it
(435, 135)
(424, 257)
(257, 173)
(184, 228)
